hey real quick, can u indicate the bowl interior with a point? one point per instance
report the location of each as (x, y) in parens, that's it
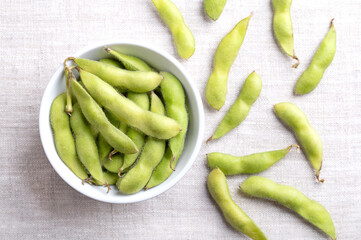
(159, 60)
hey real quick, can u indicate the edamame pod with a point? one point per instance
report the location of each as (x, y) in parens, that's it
(69, 105)
(63, 137)
(115, 163)
(138, 81)
(94, 131)
(182, 36)
(239, 110)
(226, 53)
(137, 177)
(96, 117)
(293, 199)
(110, 178)
(250, 164)
(320, 62)
(131, 63)
(111, 62)
(218, 188)
(310, 141)
(214, 8)
(127, 111)
(282, 27)
(86, 147)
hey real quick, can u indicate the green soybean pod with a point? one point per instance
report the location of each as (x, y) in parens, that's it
(94, 131)
(320, 62)
(115, 163)
(226, 53)
(214, 8)
(111, 62)
(96, 117)
(234, 215)
(238, 112)
(69, 105)
(138, 176)
(182, 36)
(131, 63)
(282, 27)
(86, 147)
(293, 199)
(63, 137)
(110, 178)
(250, 164)
(135, 81)
(127, 111)
(310, 141)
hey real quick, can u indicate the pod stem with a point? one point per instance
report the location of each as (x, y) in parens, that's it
(209, 139)
(171, 163)
(111, 154)
(332, 25)
(107, 186)
(294, 145)
(297, 59)
(120, 172)
(318, 177)
(68, 59)
(87, 180)
(107, 49)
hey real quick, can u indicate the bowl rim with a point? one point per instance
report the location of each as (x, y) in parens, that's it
(156, 190)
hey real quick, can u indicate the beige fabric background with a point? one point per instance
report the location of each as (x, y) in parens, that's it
(35, 37)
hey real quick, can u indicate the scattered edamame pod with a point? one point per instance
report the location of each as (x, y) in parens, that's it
(63, 137)
(127, 111)
(214, 8)
(182, 36)
(320, 62)
(250, 164)
(218, 188)
(282, 27)
(293, 199)
(135, 81)
(137, 177)
(310, 141)
(239, 110)
(111, 62)
(131, 63)
(226, 53)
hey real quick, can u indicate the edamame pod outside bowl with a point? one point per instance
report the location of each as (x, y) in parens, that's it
(158, 59)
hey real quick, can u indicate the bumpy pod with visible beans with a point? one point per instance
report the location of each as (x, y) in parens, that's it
(282, 27)
(135, 81)
(182, 36)
(127, 111)
(63, 137)
(214, 8)
(218, 188)
(320, 62)
(226, 53)
(174, 98)
(131, 63)
(96, 117)
(310, 141)
(137, 177)
(250, 164)
(112, 62)
(293, 199)
(239, 110)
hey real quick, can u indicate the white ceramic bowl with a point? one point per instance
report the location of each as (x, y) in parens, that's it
(161, 61)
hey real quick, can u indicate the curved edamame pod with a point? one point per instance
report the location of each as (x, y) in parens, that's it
(127, 111)
(182, 36)
(135, 81)
(110, 178)
(282, 27)
(115, 163)
(293, 199)
(111, 62)
(239, 110)
(96, 117)
(214, 8)
(131, 63)
(320, 62)
(218, 188)
(63, 137)
(308, 138)
(137, 177)
(69, 105)
(254, 163)
(226, 53)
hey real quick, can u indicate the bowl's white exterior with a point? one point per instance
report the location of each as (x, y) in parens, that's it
(161, 61)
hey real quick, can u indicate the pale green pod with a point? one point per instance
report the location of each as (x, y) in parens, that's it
(310, 141)
(320, 62)
(282, 27)
(110, 178)
(63, 137)
(68, 75)
(234, 215)
(250, 164)
(86, 147)
(238, 112)
(293, 199)
(115, 163)
(214, 8)
(127, 111)
(226, 53)
(138, 176)
(112, 62)
(135, 81)
(96, 117)
(182, 36)
(94, 131)
(131, 63)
